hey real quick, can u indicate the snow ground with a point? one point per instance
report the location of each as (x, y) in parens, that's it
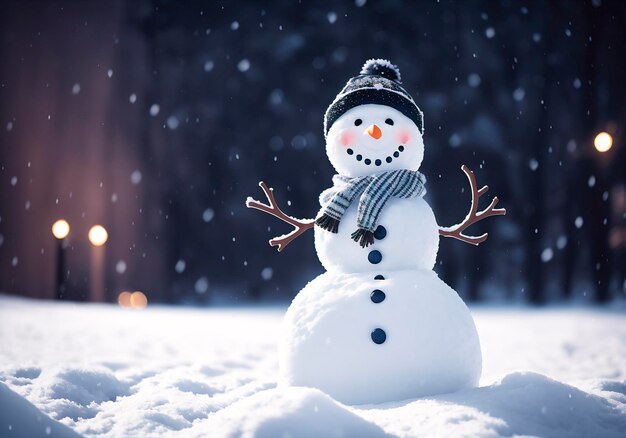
(100, 370)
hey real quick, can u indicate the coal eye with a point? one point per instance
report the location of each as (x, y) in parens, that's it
(357, 122)
(389, 122)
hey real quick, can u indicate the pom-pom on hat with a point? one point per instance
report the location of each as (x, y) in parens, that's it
(378, 83)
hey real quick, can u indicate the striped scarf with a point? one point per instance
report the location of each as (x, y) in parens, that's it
(374, 190)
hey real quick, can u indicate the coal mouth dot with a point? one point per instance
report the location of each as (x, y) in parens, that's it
(377, 162)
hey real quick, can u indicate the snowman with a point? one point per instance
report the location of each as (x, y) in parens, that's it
(379, 325)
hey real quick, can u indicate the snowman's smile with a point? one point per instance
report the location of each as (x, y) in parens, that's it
(377, 161)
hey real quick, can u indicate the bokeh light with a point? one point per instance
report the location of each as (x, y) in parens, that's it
(123, 299)
(60, 229)
(98, 235)
(603, 141)
(138, 300)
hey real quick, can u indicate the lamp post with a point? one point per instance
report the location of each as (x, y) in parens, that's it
(599, 221)
(60, 230)
(97, 237)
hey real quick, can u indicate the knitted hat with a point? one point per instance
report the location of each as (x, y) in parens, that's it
(378, 83)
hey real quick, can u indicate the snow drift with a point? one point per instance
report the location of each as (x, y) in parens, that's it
(98, 370)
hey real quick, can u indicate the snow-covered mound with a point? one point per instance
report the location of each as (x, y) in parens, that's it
(288, 412)
(106, 371)
(19, 418)
(525, 404)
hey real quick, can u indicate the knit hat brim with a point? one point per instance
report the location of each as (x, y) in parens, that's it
(373, 95)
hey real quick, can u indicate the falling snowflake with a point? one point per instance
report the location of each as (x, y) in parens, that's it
(135, 177)
(120, 267)
(519, 94)
(473, 80)
(267, 273)
(154, 109)
(455, 140)
(579, 222)
(201, 285)
(546, 255)
(591, 181)
(243, 65)
(208, 215)
(172, 122)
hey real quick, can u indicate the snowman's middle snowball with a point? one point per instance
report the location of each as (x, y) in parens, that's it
(410, 240)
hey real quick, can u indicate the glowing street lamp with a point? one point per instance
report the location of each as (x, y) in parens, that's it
(603, 142)
(60, 230)
(98, 236)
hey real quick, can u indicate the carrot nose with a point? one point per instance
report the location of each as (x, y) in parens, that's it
(374, 131)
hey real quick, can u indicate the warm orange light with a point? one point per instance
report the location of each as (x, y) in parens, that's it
(603, 142)
(61, 229)
(138, 300)
(123, 299)
(98, 235)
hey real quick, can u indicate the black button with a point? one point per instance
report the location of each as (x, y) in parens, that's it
(400, 148)
(368, 161)
(377, 296)
(379, 277)
(379, 336)
(359, 157)
(380, 232)
(350, 151)
(388, 159)
(374, 257)
(378, 162)
(396, 154)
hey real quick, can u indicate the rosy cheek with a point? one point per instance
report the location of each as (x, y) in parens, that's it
(403, 136)
(346, 138)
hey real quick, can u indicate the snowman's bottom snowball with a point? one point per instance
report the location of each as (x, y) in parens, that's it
(431, 344)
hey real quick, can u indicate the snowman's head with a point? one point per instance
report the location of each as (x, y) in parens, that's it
(374, 138)
(374, 125)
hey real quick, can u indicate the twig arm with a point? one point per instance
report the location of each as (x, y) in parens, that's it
(456, 231)
(300, 225)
